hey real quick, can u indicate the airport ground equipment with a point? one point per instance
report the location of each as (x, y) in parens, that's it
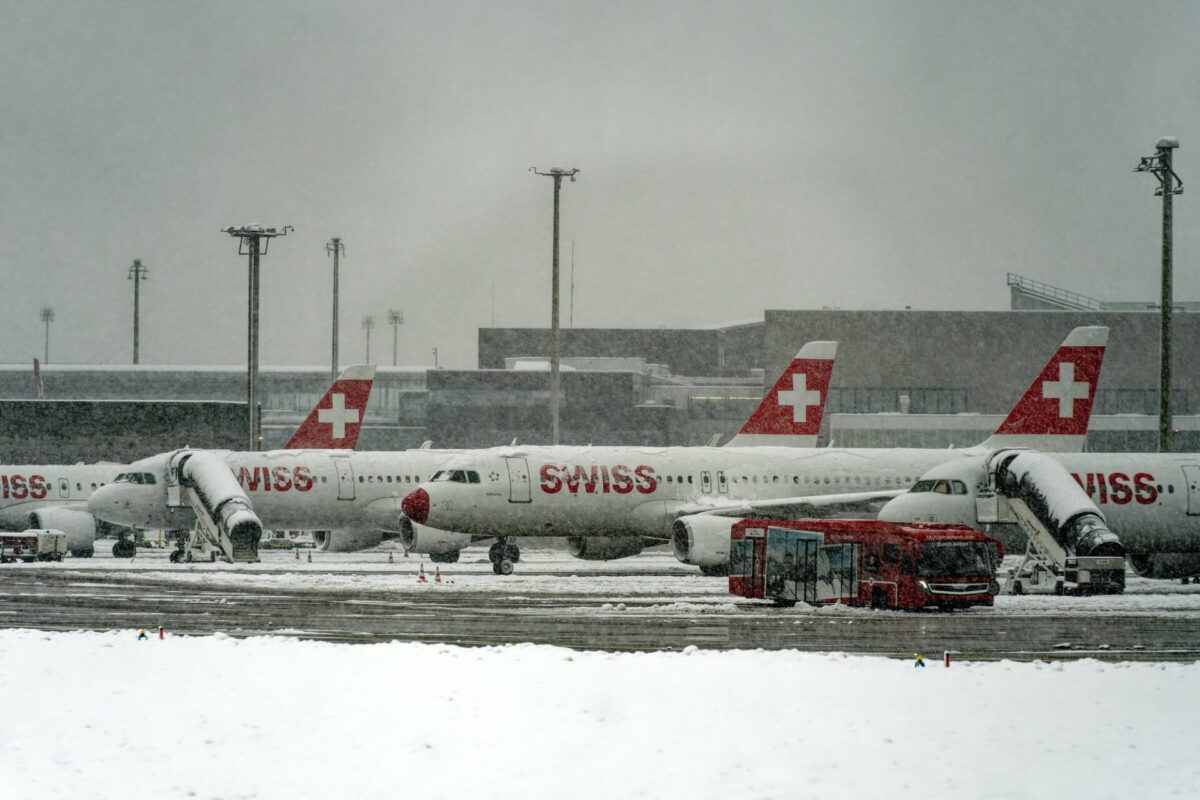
(33, 545)
(863, 563)
(1068, 535)
(226, 526)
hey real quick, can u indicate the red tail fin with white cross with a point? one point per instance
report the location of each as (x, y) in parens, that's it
(791, 413)
(1054, 412)
(335, 421)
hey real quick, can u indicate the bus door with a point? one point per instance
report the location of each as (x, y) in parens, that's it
(1191, 476)
(837, 572)
(746, 559)
(791, 568)
(518, 479)
(345, 476)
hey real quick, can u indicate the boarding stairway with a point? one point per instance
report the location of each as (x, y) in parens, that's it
(1070, 547)
(226, 526)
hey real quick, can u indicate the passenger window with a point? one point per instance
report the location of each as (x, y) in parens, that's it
(79, 487)
(679, 479)
(689, 478)
(389, 478)
(891, 553)
(669, 479)
(360, 479)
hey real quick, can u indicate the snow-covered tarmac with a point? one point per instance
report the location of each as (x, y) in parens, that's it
(104, 715)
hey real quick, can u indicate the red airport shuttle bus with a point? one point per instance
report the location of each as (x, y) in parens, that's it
(863, 563)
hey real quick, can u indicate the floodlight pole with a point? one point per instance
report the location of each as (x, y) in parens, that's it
(47, 317)
(253, 241)
(557, 173)
(336, 248)
(1169, 184)
(137, 273)
(368, 323)
(395, 319)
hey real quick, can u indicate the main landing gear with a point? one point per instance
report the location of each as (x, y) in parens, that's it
(503, 555)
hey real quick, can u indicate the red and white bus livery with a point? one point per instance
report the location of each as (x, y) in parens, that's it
(863, 563)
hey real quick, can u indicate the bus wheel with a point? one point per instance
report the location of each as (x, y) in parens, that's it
(879, 598)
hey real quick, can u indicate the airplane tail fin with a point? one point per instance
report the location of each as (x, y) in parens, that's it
(791, 413)
(335, 421)
(1054, 412)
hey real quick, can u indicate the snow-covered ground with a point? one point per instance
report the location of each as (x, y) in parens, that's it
(106, 715)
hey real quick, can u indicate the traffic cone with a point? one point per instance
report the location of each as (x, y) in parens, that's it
(297, 552)
(437, 574)
(421, 575)
(406, 552)
(310, 556)
(160, 632)
(391, 558)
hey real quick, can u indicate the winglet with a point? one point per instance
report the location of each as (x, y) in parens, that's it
(1054, 412)
(336, 420)
(791, 413)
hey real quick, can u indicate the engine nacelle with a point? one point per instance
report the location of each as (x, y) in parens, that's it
(348, 540)
(1165, 565)
(702, 540)
(421, 539)
(80, 526)
(604, 548)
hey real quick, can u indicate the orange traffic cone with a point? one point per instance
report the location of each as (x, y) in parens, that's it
(310, 556)
(391, 558)
(437, 574)
(421, 575)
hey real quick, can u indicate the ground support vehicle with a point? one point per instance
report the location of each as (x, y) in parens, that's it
(33, 545)
(863, 563)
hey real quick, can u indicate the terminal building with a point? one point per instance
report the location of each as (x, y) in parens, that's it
(903, 378)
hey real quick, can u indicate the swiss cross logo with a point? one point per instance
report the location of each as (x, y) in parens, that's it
(799, 398)
(337, 415)
(1066, 390)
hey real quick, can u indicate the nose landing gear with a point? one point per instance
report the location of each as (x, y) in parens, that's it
(503, 555)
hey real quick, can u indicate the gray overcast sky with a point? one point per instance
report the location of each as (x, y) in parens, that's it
(734, 157)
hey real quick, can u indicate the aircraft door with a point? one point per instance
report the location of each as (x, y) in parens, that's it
(1191, 476)
(345, 476)
(64, 488)
(706, 483)
(518, 480)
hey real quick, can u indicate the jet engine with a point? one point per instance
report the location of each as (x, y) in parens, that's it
(1165, 565)
(703, 540)
(347, 540)
(421, 539)
(604, 548)
(79, 526)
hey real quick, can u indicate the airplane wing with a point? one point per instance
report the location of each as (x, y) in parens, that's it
(820, 505)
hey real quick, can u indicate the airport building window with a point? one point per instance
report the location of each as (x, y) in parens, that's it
(875, 401)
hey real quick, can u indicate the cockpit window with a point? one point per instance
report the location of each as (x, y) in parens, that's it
(922, 486)
(472, 476)
(437, 476)
(959, 487)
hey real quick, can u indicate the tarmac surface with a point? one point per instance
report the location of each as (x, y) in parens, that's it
(649, 602)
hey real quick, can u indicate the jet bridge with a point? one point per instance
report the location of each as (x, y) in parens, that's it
(226, 526)
(1068, 536)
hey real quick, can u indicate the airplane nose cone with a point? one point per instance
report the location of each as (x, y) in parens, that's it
(416, 506)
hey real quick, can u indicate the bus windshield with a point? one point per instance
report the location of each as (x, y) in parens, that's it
(954, 559)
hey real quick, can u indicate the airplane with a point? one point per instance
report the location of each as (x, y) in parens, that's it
(55, 496)
(612, 502)
(353, 500)
(1151, 499)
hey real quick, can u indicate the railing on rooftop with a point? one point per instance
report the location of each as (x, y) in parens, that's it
(1054, 294)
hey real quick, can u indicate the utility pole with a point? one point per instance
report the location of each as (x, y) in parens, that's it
(137, 273)
(368, 323)
(1169, 185)
(252, 242)
(338, 249)
(571, 322)
(47, 317)
(557, 173)
(395, 319)
(435, 363)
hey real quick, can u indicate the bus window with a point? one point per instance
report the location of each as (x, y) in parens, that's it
(891, 553)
